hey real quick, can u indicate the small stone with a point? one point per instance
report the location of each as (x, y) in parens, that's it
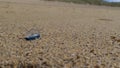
(96, 66)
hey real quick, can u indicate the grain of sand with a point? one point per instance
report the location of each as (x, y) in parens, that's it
(73, 36)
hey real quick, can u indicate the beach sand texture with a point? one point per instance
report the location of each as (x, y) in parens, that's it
(72, 36)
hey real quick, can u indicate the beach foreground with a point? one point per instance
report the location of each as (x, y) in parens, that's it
(72, 36)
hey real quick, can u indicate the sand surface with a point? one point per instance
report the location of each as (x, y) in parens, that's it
(72, 36)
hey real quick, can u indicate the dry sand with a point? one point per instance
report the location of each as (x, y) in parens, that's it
(73, 36)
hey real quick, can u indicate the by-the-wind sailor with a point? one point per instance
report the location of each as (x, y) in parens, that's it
(32, 37)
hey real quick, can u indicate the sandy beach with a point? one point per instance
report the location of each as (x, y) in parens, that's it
(72, 35)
